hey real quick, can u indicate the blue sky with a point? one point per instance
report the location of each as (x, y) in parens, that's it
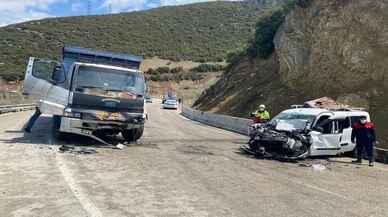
(14, 11)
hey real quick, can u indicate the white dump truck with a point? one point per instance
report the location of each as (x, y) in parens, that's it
(90, 92)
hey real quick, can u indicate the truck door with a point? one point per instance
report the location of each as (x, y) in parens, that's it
(326, 138)
(42, 81)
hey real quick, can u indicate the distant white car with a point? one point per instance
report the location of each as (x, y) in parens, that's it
(170, 103)
(148, 99)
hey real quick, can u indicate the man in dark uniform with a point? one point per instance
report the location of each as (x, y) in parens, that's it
(363, 134)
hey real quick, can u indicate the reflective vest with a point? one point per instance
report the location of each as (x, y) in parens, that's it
(262, 115)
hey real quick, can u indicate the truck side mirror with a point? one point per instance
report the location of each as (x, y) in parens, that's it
(58, 75)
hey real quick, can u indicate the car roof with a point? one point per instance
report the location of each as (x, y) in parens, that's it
(306, 111)
(344, 114)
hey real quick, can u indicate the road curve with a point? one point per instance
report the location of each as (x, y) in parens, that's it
(179, 168)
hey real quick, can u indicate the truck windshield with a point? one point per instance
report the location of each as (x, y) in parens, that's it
(104, 79)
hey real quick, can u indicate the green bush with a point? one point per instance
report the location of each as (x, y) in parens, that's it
(206, 67)
(151, 72)
(176, 70)
(196, 76)
(155, 77)
(233, 56)
(163, 70)
(262, 44)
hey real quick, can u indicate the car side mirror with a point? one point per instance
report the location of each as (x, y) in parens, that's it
(318, 129)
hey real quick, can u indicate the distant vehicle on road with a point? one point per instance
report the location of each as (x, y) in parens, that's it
(148, 99)
(303, 132)
(171, 103)
(90, 93)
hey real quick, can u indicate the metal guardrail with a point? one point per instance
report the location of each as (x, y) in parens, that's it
(16, 108)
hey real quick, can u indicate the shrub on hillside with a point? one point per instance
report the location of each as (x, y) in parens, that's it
(151, 72)
(233, 56)
(196, 77)
(206, 67)
(176, 70)
(163, 70)
(155, 77)
(262, 44)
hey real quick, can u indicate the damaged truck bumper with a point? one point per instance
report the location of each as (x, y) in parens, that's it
(91, 128)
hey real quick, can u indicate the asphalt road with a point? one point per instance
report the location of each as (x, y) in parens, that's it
(179, 168)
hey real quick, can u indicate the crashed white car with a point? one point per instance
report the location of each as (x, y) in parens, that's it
(302, 132)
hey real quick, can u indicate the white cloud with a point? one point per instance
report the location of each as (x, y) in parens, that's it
(124, 5)
(131, 5)
(14, 11)
(182, 2)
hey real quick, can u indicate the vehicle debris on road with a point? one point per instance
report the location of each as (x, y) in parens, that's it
(77, 150)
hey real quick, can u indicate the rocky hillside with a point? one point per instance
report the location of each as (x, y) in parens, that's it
(198, 32)
(323, 48)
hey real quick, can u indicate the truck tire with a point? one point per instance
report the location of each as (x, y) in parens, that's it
(132, 135)
(139, 133)
(56, 126)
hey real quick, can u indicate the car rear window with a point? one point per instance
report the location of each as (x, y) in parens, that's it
(355, 119)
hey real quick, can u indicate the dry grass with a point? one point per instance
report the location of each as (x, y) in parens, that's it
(188, 90)
(11, 98)
(156, 62)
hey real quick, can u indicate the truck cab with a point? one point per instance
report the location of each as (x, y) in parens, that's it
(90, 93)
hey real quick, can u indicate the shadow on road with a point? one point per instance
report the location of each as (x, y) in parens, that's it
(42, 134)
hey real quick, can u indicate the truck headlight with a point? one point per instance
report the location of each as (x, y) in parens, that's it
(67, 112)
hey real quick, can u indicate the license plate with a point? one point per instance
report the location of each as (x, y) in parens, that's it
(114, 116)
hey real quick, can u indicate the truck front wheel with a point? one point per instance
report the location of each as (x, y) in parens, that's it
(132, 135)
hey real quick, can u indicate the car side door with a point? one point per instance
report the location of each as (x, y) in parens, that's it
(325, 138)
(345, 128)
(41, 81)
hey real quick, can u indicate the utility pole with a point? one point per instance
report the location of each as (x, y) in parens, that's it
(110, 8)
(89, 7)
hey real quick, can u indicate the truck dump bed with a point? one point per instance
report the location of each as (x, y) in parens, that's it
(76, 54)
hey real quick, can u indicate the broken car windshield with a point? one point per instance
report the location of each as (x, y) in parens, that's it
(108, 79)
(297, 120)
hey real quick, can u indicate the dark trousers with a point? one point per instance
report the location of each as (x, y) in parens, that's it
(32, 120)
(368, 149)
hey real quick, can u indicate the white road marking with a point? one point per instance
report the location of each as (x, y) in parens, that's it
(75, 188)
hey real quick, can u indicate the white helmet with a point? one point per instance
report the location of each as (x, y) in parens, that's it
(262, 107)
